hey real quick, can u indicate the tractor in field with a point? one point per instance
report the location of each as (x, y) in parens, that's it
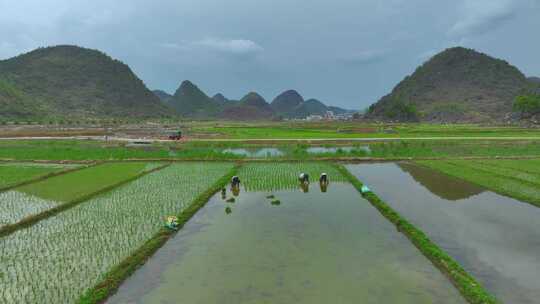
(175, 135)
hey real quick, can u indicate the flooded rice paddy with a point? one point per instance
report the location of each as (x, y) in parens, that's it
(495, 238)
(345, 149)
(267, 152)
(287, 246)
(258, 152)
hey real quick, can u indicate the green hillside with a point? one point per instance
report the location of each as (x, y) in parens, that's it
(250, 107)
(456, 85)
(309, 107)
(73, 82)
(190, 101)
(286, 102)
(14, 104)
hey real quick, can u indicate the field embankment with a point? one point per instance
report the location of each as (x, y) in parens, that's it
(83, 151)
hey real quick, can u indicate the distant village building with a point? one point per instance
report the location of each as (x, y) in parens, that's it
(314, 118)
(329, 115)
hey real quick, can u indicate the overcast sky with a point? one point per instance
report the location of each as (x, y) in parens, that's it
(343, 52)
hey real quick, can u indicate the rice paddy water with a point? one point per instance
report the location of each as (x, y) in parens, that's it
(495, 238)
(277, 244)
(259, 152)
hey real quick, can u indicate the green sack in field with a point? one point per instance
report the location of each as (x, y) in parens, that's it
(364, 189)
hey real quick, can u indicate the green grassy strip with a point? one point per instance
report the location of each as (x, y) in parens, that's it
(33, 219)
(471, 290)
(48, 175)
(113, 279)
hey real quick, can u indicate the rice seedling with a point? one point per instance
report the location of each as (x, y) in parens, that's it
(526, 174)
(524, 165)
(12, 174)
(30, 200)
(65, 188)
(270, 177)
(15, 206)
(57, 259)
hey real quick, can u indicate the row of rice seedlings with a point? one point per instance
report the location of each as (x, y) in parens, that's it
(15, 206)
(492, 168)
(504, 185)
(57, 259)
(511, 174)
(12, 174)
(68, 187)
(284, 176)
(524, 165)
(26, 201)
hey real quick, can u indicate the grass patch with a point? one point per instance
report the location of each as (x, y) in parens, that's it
(454, 148)
(68, 187)
(78, 150)
(73, 150)
(465, 283)
(322, 130)
(515, 178)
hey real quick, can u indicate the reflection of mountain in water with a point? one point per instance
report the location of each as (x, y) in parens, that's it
(443, 186)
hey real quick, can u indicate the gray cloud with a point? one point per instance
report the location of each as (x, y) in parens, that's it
(480, 16)
(345, 52)
(235, 46)
(365, 57)
(230, 46)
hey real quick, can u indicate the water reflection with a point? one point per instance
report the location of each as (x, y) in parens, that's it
(495, 238)
(223, 194)
(347, 149)
(323, 186)
(257, 152)
(235, 190)
(445, 187)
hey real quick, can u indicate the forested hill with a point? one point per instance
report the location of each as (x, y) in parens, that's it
(73, 82)
(456, 85)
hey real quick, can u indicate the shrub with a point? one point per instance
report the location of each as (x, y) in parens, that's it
(527, 104)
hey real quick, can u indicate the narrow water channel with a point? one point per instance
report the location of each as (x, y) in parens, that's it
(313, 247)
(495, 238)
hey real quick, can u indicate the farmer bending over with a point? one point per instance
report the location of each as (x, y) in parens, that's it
(323, 179)
(235, 181)
(304, 178)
